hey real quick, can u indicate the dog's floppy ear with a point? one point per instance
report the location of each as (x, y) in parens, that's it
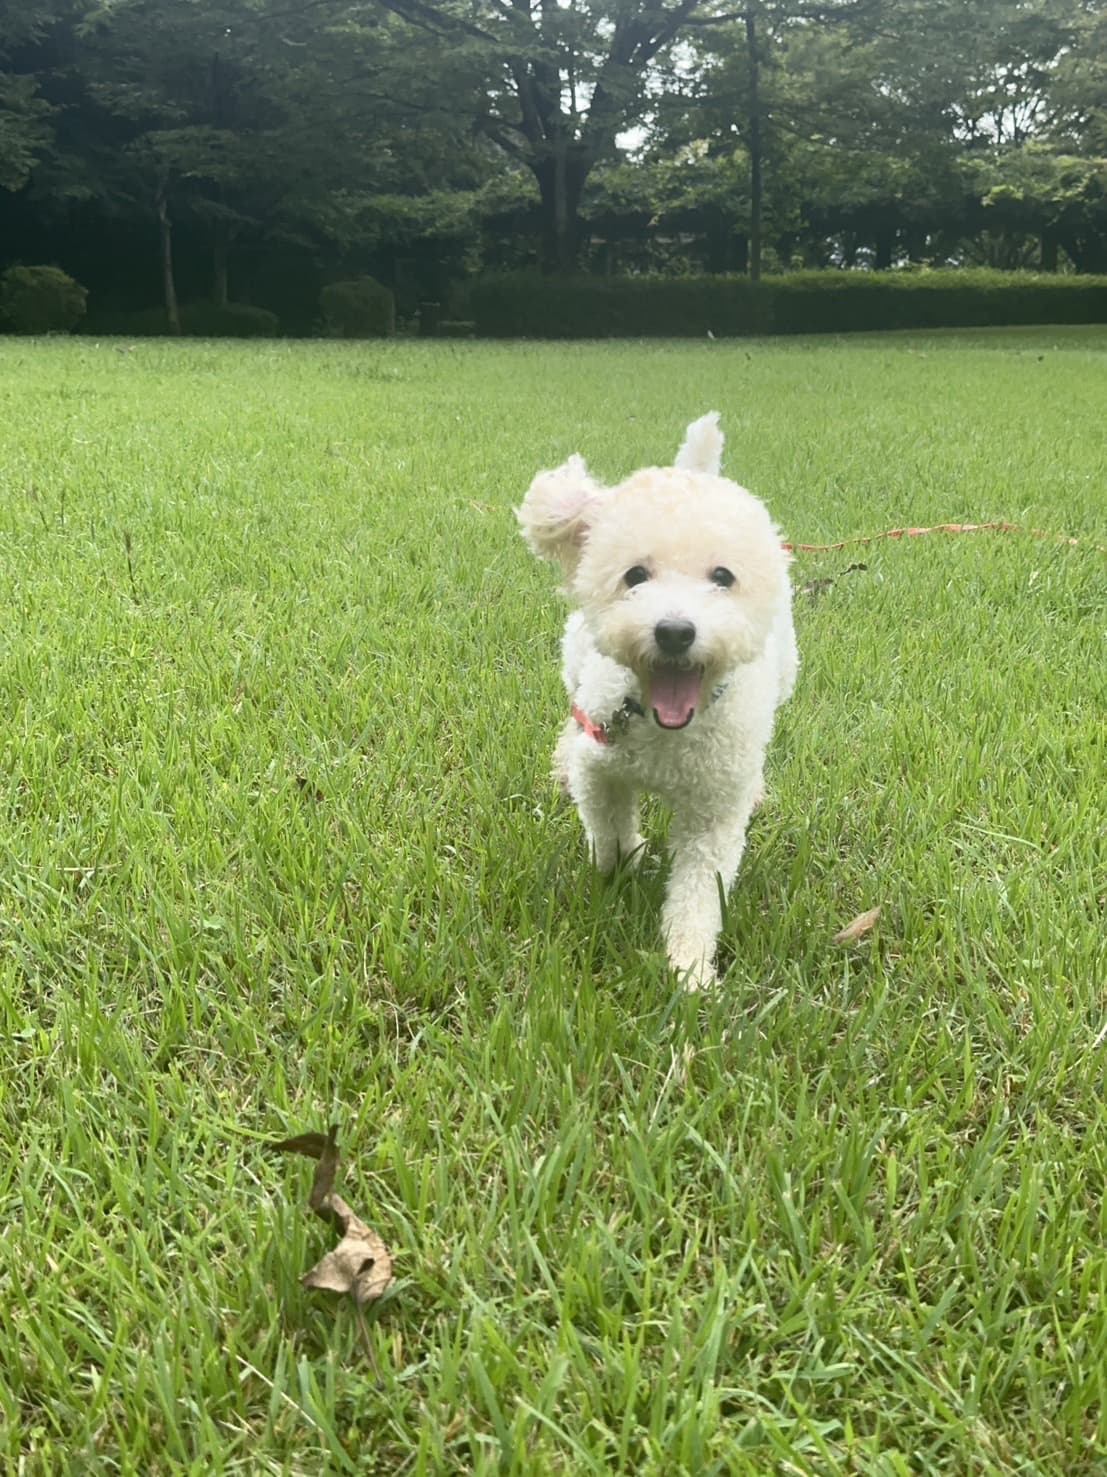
(702, 449)
(557, 510)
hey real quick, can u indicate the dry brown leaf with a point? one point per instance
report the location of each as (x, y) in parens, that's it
(857, 926)
(311, 1145)
(815, 588)
(360, 1264)
(818, 587)
(323, 1183)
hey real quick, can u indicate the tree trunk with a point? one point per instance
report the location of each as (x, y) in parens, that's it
(561, 174)
(885, 242)
(169, 286)
(754, 144)
(1051, 245)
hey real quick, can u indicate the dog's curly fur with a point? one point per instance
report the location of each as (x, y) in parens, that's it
(681, 649)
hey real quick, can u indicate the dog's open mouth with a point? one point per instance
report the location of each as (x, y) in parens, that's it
(673, 693)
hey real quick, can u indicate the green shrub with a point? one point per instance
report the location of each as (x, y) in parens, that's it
(40, 300)
(360, 308)
(524, 305)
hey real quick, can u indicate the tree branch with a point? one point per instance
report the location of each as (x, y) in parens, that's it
(419, 13)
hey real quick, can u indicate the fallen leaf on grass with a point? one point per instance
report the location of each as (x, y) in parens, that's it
(311, 1145)
(857, 926)
(814, 588)
(818, 587)
(360, 1264)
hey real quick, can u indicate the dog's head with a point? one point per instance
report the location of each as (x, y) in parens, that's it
(679, 571)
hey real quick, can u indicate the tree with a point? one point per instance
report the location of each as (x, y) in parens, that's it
(732, 134)
(24, 129)
(676, 212)
(25, 116)
(251, 117)
(1078, 89)
(871, 157)
(563, 81)
(792, 86)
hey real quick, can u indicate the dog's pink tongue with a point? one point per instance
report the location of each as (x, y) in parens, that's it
(674, 695)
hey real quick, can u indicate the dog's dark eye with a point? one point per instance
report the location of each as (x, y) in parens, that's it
(638, 575)
(722, 577)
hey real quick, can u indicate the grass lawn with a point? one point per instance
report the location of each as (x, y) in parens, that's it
(279, 849)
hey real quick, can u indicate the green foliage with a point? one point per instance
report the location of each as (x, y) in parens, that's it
(609, 135)
(40, 300)
(24, 129)
(1036, 189)
(525, 305)
(359, 308)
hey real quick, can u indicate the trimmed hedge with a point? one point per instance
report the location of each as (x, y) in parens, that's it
(845, 302)
(360, 308)
(526, 305)
(198, 320)
(40, 300)
(232, 320)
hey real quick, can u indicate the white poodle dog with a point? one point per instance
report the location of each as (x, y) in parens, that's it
(676, 660)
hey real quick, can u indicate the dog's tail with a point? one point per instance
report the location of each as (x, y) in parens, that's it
(702, 450)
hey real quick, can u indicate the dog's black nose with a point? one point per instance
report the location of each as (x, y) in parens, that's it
(674, 637)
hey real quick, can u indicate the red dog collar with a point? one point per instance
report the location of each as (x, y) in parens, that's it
(616, 724)
(597, 731)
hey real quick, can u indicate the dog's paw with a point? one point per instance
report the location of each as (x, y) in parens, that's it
(699, 979)
(608, 855)
(696, 976)
(604, 851)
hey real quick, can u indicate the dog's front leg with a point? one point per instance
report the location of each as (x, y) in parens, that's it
(705, 852)
(608, 810)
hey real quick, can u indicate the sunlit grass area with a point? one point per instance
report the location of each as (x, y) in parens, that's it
(279, 849)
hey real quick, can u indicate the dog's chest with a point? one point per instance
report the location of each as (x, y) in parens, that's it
(670, 764)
